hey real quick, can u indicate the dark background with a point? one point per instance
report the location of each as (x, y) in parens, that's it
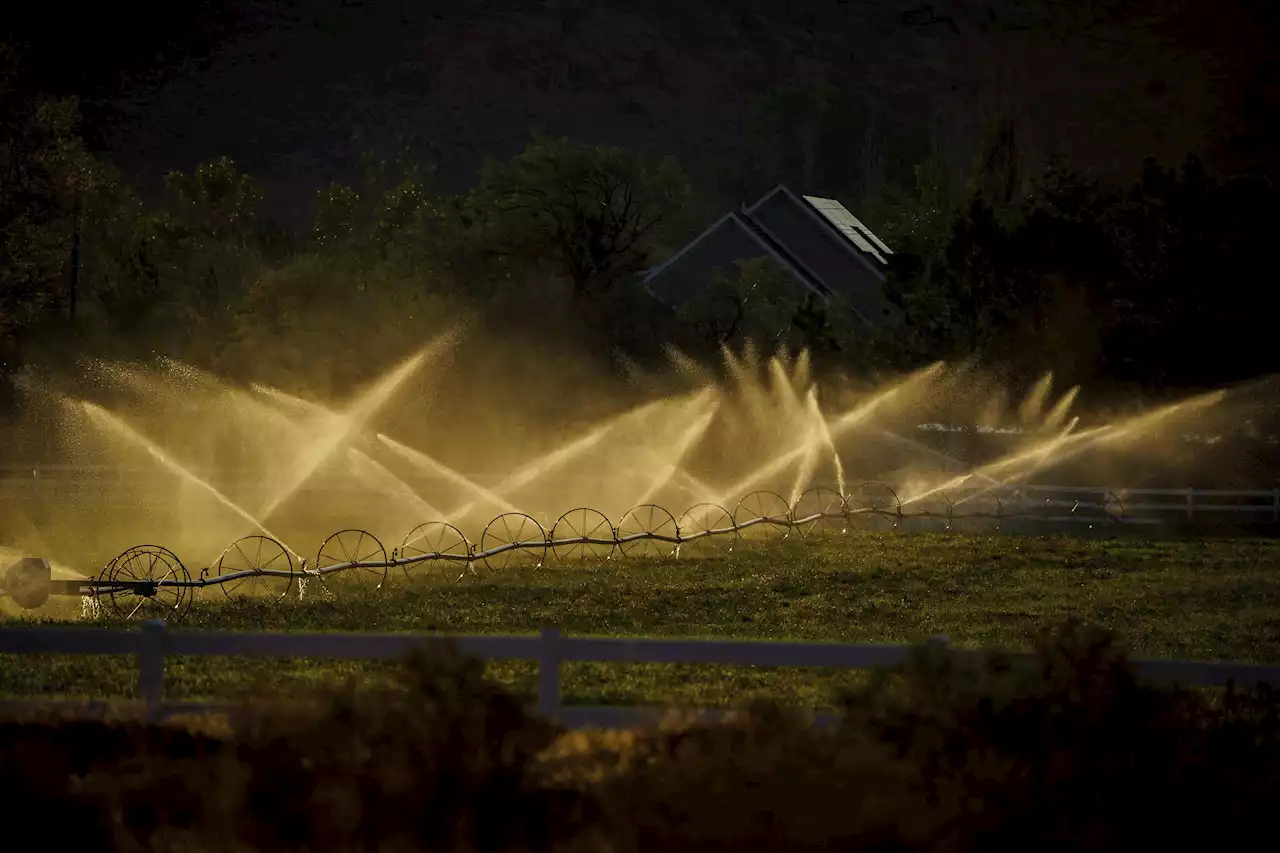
(1083, 187)
(280, 87)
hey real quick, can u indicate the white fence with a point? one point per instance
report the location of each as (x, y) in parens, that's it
(1152, 506)
(1088, 504)
(153, 643)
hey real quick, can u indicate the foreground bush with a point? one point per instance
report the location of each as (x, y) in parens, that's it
(1064, 750)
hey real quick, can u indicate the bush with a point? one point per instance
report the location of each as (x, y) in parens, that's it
(1062, 750)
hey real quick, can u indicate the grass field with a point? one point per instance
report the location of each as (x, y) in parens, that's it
(1195, 599)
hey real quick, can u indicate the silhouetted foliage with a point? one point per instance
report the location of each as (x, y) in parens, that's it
(1155, 284)
(756, 300)
(1063, 749)
(1150, 285)
(588, 210)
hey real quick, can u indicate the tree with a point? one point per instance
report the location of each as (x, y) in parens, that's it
(216, 202)
(307, 321)
(752, 299)
(338, 220)
(958, 298)
(205, 243)
(54, 198)
(1146, 285)
(801, 134)
(758, 301)
(828, 332)
(78, 263)
(590, 212)
(391, 213)
(1189, 248)
(997, 168)
(826, 139)
(30, 256)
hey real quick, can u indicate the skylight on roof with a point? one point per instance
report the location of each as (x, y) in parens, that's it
(849, 225)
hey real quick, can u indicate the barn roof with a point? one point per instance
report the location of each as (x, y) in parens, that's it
(822, 215)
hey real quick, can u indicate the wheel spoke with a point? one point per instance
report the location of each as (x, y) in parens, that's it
(698, 520)
(648, 522)
(582, 523)
(529, 541)
(348, 546)
(140, 571)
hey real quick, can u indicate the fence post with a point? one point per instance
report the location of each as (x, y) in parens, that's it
(549, 673)
(1191, 504)
(937, 644)
(151, 669)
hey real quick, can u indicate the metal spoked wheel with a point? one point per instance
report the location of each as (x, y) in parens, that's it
(931, 512)
(147, 582)
(354, 546)
(441, 546)
(255, 554)
(874, 506)
(762, 517)
(711, 527)
(820, 510)
(647, 530)
(518, 539)
(578, 524)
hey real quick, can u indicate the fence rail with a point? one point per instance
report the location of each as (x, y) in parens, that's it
(153, 643)
(1132, 505)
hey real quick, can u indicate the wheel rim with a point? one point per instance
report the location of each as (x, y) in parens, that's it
(355, 546)
(582, 523)
(255, 553)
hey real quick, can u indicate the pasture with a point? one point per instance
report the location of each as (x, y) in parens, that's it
(1188, 599)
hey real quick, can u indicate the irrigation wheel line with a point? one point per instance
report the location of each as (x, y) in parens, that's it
(147, 581)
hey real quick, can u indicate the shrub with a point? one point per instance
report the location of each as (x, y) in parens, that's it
(1065, 749)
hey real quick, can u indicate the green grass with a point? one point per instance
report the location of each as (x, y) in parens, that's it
(1196, 599)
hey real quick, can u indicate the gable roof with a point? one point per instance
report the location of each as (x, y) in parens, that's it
(827, 214)
(850, 226)
(758, 236)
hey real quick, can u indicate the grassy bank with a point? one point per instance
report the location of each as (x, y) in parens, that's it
(1201, 599)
